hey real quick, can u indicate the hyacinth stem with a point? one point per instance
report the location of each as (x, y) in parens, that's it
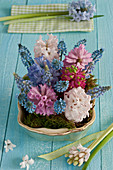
(97, 141)
(30, 19)
(61, 56)
(47, 16)
(33, 15)
(99, 147)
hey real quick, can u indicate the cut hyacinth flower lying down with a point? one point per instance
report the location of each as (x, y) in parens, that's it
(77, 154)
(59, 88)
(81, 10)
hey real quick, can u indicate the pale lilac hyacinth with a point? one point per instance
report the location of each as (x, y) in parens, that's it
(48, 49)
(43, 97)
(78, 155)
(77, 104)
(78, 57)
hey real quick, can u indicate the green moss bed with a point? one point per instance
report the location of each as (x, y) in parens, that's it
(54, 121)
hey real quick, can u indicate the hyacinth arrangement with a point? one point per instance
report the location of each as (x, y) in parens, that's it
(81, 10)
(58, 87)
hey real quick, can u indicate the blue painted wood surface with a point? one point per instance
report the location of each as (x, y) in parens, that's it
(10, 62)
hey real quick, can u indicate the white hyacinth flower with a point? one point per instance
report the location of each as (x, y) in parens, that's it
(9, 146)
(78, 155)
(26, 162)
(48, 48)
(77, 104)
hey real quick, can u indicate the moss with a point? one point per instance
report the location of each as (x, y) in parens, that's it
(59, 121)
(33, 121)
(53, 121)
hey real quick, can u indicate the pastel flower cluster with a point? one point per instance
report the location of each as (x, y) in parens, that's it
(77, 104)
(81, 10)
(78, 57)
(78, 155)
(43, 97)
(47, 48)
(55, 86)
(75, 76)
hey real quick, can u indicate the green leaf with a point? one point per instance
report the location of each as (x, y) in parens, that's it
(59, 152)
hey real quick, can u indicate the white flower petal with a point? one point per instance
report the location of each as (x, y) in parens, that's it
(9, 146)
(81, 154)
(77, 104)
(25, 158)
(31, 161)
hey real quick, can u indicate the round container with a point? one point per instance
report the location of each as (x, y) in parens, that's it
(46, 134)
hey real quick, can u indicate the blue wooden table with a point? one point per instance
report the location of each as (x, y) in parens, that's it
(10, 62)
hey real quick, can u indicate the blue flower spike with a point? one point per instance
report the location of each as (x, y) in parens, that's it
(96, 55)
(59, 106)
(25, 56)
(98, 91)
(62, 49)
(24, 101)
(23, 85)
(80, 42)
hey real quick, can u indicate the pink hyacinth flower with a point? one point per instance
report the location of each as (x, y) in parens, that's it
(75, 76)
(44, 98)
(78, 57)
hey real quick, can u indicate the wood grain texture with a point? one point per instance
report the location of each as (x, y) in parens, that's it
(105, 40)
(9, 62)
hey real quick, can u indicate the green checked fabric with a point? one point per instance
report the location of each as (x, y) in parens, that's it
(47, 26)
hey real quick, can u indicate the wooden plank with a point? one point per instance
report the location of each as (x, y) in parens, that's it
(8, 59)
(105, 40)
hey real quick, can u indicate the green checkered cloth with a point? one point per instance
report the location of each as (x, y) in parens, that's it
(49, 25)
